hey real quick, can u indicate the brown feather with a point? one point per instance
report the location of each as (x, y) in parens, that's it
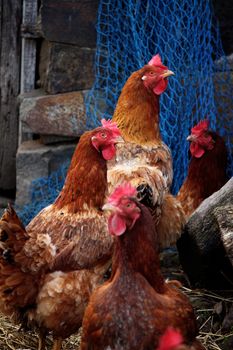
(134, 308)
(206, 175)
(137, 111)
(79, 189)
(28, 290)
(144, 159)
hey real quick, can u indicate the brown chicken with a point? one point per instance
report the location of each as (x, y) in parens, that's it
(135, 307)
(55, 301)
(144, 159)
(207, 168)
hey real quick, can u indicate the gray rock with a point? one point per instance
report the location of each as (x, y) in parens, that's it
(35, 160)
(205, 247)
(62, 114)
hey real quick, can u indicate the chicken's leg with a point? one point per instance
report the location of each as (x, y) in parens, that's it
(41, 342)
(57, 344)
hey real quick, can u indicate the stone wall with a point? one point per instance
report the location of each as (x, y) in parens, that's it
(52, 113)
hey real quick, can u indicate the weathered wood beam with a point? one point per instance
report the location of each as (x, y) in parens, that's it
(28, 56)
(70, 21)
(10, 20)
(61, 114)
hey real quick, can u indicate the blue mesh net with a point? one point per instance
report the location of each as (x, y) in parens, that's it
(44, 190)
(185, 34)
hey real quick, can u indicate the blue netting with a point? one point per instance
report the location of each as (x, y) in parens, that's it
(185, 33)
(44, 190)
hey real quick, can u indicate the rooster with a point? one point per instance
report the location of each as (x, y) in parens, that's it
(207, 168)
(135, 307)
(29, 291)
(143, 159)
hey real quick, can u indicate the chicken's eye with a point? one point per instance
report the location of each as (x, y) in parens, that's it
(128, 205)
(103, 135)
(152, 73)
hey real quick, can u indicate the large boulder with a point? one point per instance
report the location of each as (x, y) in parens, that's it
(206, 245)
(62, 114)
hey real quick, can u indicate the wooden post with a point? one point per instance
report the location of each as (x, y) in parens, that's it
(10, 20)
(28, 56)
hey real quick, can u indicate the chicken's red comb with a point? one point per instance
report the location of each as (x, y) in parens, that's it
(108, 124)
(170, 339)
(156, 61)
(125, 189)
(203, 125)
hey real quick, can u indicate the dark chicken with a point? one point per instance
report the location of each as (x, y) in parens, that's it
(207, 168)
(135, 307)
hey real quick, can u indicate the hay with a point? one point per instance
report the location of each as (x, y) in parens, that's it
(210, 308)
(11, 338)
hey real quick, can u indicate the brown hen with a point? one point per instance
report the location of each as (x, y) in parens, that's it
(207, 168)
(74, 223)
(144, 159)
(135, 307)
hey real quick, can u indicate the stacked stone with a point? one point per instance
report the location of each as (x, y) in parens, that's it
(52, 117)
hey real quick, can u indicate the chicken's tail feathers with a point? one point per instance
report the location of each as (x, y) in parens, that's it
(9, 215)
(12, 233)
(17, 288)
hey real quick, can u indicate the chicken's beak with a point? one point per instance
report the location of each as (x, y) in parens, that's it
(191, 138)
(108, 207)
(119, 139)
(167, 73)
(94, 143)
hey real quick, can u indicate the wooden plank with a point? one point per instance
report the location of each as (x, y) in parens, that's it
(70, 21)
(65, 68)
(61, 114)
(28, 62)
(10, 19)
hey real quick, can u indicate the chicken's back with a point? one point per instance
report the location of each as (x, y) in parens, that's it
(122, 319)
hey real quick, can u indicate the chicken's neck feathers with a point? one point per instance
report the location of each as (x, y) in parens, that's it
(137, 113)
(136, 252)
(208, 173)
(86, 180)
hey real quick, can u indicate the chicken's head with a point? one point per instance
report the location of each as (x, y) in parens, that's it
(171, 340)
(104, 139)
(124, 209)
(155, 74)
(200, 138)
